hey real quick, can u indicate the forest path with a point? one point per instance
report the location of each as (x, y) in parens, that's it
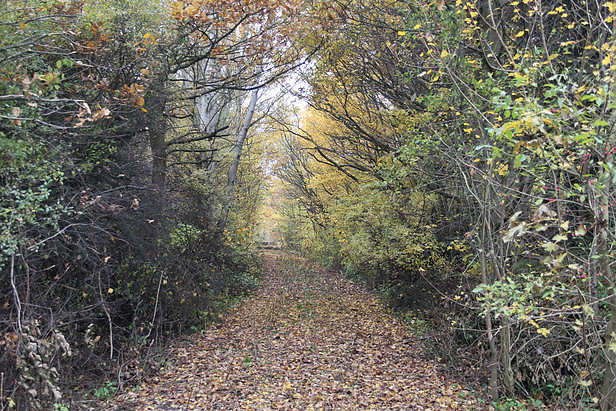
(308, 339)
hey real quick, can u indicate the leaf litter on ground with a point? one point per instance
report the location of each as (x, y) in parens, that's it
(308, 339)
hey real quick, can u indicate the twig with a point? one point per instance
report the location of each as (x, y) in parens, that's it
(160, 281)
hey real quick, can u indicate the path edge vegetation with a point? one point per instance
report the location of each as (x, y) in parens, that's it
(465, 147)
(129, 188)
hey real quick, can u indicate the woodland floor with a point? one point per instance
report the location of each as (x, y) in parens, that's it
(308, 339)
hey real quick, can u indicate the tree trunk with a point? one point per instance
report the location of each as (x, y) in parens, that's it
(492, 43)
(608, 401)
(157, 130)
(237, 155)
(158, 146)
(508, 377)
(489, 327)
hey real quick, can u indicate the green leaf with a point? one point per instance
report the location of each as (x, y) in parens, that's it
(519, 159)
(612, 345)
(589, 311)
(559, 237)
(549, 247)
(480, 288)
(515, 231)
(601, 123)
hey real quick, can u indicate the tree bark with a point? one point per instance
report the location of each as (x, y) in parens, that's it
(157, 130)
(608, 401)
(158, 146)
(483, 261)
(492, 43)
(508, 377)
(237, 155)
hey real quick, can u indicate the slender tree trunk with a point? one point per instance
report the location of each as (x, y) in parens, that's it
(492, 43)
(608, 401)
(237, 155)
(157, 131)
(499, 253)
(609, 382)
(158, 146)
(506, 355)
(483, 261)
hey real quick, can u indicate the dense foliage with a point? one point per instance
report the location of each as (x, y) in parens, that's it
(467, 149)
(458, 156)
(121, 222)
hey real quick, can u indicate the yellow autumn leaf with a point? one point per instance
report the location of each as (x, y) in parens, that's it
(444, 54)
(110, 290)
(612, 345)
(402, 33)
(543, 331)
